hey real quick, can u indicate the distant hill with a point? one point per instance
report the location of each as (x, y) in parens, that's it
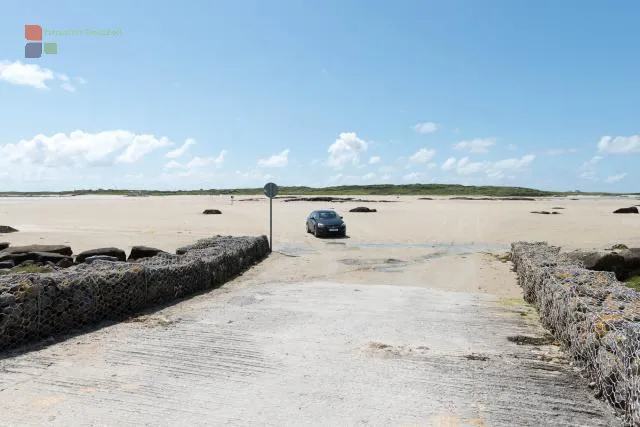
(353, 190)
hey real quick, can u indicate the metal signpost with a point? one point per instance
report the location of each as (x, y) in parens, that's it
(271, 191)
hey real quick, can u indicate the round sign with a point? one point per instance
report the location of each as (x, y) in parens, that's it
(270, 190)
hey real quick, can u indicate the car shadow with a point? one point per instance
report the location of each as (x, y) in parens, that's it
(333, 237)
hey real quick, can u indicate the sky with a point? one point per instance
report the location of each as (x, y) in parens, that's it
(222, 94)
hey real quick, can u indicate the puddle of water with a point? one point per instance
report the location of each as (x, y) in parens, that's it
(448, 248)
(294, 250)
(388, 270)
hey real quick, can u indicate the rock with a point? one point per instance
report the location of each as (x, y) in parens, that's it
(27, 263)
(6, 229)
(119, 254)
(65, 263)
(632, 209)
(3, 246)
(45, 257)
(425, 198)
(541, 212)
(91, 259)
(56, 249)
(555, 213)
(7, 264)
(558, 207)
(622, 263)
(211, 212)
(362, 209)
(138, 252)
(619, 246)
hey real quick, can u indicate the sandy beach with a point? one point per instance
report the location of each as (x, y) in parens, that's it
(86, 222)
(404, 322)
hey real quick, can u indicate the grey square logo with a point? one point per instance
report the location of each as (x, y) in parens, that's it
(33, 50)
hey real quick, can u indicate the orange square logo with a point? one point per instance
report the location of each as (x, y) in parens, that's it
(33, 32)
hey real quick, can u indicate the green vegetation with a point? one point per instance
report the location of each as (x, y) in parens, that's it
(27, 269)
(633, 282)
(343, 190)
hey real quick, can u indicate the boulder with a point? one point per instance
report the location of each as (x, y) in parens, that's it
(632, 209)
(65, 263)
(3, 246)
(56, 249)
(362, 209)
(119, 254)
(7, 229)
(45, 257)
(6, 264)
(623, 263)
(211, 212)
(541, 212)
(139, 252)
(94, 258)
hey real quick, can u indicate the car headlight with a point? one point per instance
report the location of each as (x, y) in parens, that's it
(320, 225)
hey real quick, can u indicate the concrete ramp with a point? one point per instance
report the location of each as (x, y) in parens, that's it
(304, 354)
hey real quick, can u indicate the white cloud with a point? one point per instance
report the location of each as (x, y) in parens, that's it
(497, 169)
(276, 161)
(432, 165)
(201, 162)
(589, 168)
(423, 155)
(368, 176)
(449, 164)
(620, 144)
(426, 127)
(477, 145)
(180, 151)
(512, 147)
(386, 177)
(386, 169)
(174, 165)
(465, 166)
(19, 73)
(413, 177)
(615, 178)
(68, 87)
(374, 159)
(80, 148)
(347, 148)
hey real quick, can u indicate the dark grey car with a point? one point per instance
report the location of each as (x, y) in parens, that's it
(326, 223)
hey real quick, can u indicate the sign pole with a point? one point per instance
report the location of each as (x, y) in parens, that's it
(270, 224)
(271, 191)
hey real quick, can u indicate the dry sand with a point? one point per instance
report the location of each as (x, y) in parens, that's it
(403, 323)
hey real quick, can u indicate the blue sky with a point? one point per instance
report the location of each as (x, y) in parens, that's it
(223, 94)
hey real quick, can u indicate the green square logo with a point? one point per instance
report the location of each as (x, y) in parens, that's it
(51, 48)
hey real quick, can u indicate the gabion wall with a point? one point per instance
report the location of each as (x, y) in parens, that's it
(594, 315)
(35, 306)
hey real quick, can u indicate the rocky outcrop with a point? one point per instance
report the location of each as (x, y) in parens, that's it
(56, 249)
(4, 229)
(211, 212)
(119, 254)
(334, 199)
(6, 264)
(34, 306)
(140, 252)
(631, 210)
(3, 246)
(545, 212)
(362, 209)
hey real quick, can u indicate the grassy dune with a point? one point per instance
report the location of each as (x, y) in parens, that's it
(359, 190)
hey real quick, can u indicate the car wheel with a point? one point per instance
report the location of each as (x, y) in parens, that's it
(315, 232)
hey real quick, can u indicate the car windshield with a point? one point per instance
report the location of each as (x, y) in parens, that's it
(326, 215)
